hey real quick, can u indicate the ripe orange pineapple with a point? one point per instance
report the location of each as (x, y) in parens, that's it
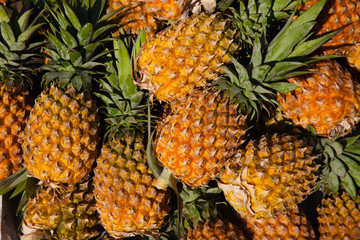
(339, 217)
(62, 132)
(341, 15)
(202, 131)
(291, 224)
(195, 140)
(15, 82)
(269, 175)
(67, 212)
(61, 136)
(215, 229)
(186, 55)
(328, 99)
(147, 14)
(127, 197)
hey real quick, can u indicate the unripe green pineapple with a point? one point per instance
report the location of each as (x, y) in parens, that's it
(66, 212)
(339, 217)
(269, 175)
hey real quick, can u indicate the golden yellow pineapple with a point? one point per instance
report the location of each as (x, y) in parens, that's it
(328, 99)
(15, 83)
(269, 175)
(288, 225)
(186, 55)
(62, 132)
(199, 135)
(61, 136)
(128, 199)
(66, 213)
(341, 15)
(215, 229)
(147, 14)
(339, 217)
(14, 108)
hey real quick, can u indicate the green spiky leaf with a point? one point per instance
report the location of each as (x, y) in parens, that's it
(333, 181)
(348, 184)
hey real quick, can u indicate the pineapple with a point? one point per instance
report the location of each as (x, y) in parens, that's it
(18, 56)
(343, 16)
(202, 131)
(62, 133)
(328, 100)
(269, 175)
(127, 196)
(339, 217)
(291, 224)
(216, 229)
(195, 140)
(197, 45)
(147, 14)
(67, 212)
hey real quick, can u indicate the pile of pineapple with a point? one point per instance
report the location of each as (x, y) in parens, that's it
(181, 119)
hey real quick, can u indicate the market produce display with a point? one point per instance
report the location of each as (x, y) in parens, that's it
(180, 119)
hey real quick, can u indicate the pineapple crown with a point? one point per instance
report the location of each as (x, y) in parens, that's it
(18, 52)
(254, 18)
(76, 42)
(340, 158)
(122, 98)
(198, 205)
(254, 87)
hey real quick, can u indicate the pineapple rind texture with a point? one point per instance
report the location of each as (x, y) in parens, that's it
(290, 225)
(61, 136)
(66, 212)
(339, 217)
(270, 175)
(328, 100)
(146, 14)
(216, 229)
(128, 201)
(14, 109)
(200, 134)
(338, 14)
(185, 56)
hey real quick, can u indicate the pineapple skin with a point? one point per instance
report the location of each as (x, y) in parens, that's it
(215, 229)
(197, 46)
(200, 134)
(339, 14)
(339, 217)
(145, 14)
(15, 105)
(61, 136)
(289, 225)
(127, 198)
(269, 175)
(328, 100)
(66, 212)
